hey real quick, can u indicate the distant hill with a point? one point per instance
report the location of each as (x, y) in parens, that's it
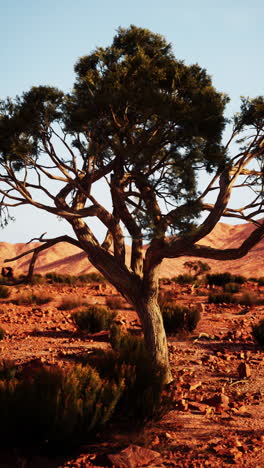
(67, 259)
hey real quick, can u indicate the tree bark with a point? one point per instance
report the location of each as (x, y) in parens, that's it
(148, 309)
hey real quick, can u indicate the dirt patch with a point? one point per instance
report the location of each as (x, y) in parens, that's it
(216, 414)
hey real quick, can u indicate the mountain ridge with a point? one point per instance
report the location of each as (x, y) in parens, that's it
(68, 259)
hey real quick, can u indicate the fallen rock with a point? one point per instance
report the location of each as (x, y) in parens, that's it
(132, 457)
(244, 371)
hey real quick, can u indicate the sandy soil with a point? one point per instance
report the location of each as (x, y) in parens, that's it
(216, 414)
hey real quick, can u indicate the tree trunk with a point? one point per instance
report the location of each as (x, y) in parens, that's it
(150, 315)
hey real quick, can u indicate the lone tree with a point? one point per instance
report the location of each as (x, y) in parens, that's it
(146, 125)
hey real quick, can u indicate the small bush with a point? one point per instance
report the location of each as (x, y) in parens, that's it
(221, 279)
(114, 303)
(29, 299)
(184, 279)
(258, 332)
(142, 394)
(93, 319)
(224, 298)
(261, 281)
(2, 333)
(177, 317)
(249, 299)
(4, 292)
(70, 303)
(37, 279)
(56, 406)
(231, 288)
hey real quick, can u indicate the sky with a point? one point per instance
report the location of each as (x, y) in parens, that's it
(40, 41)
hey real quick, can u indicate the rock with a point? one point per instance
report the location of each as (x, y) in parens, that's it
(132, 457)
(244, 371)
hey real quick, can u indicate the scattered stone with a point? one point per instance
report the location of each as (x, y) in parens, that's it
(244, 371)
(133, 456)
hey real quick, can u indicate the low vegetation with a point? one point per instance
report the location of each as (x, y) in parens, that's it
(55, 405)
(93, 319)
(258, 332)
(4, 292)
(32, 299)
(178, 318)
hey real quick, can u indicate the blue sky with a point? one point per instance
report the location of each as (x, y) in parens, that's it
(41, 41)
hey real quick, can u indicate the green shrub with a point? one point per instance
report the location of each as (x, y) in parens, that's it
(141, 399)
(232, 288)
(224, 298)
(4, 292)
(91, 278)
(177, 317)
(249, 299)
(93, 319)
(2, 333)
(29, 299)
(37, 279)
(56, 406)
(258, 332)
(221, 279)
(70, 303)
(218, 279)
(114, 303)
(184, 279)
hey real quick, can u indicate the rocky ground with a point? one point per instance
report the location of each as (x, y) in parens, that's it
(216, 412)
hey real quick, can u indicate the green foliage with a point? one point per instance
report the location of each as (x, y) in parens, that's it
(114, 303)
(142, 394)
(184, 279)
(93, 319)
(221, 279)
(197, 267)
(2, 333)
(56, 406)
(224, 298)
(4, 292)
(177, 318)
(231, 288)
(69, 303)
(53, 277)
(258, 332)
(30, 299)
(249, 299)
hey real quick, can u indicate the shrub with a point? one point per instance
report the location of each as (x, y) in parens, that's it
(249, 299)
(261, 281)
(4, 292)
(177, 317)
(2, 333)
(231, 288)
(91, 278)
(70, 303)
(258, 332)
(38, 279)
(114, 303)
(184, 279)
(29, 299)
(56, 406)
(142, 395)
(218, 279)
(93, 319)
(224, 298)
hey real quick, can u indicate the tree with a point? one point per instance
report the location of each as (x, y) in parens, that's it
(146, 125)
(197, 267)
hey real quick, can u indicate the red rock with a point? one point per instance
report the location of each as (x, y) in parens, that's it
(244, 370)
(132, 457)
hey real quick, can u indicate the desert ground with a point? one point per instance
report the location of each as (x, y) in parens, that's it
(215, 417)
(216, 413)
